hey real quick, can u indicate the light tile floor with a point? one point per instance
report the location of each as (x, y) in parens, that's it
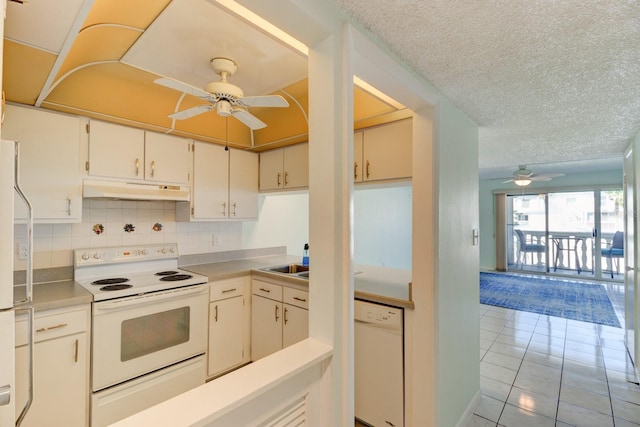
(538, 370)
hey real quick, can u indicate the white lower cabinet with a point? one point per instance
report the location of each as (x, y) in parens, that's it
(61, 368)
(279, 317)
(229, 323)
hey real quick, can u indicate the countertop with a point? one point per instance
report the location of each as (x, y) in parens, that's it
(51, 295)
(372, 283)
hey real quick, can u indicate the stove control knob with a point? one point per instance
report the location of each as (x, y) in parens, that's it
(97, 255)
(171, 249)
(144, 252)
(85, 256)
(163, 251)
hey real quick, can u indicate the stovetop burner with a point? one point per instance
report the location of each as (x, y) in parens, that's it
(116, 287)
(176, 277)
(166, 273)
(110, 273)
(111, 281)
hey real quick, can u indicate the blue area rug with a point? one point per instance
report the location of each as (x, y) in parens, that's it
(570, 300)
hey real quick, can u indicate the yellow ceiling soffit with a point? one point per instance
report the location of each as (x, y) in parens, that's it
(98, 43)
(138, 13)
(25, 71)
(113, 89)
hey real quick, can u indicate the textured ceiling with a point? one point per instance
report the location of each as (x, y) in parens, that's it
(550, 83)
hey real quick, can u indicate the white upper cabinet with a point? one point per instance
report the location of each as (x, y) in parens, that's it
(50, 166)
(210, 188)
(122, 152)
(358, 170)
(285, 168)
(224, 185)
(383, 152)
(166, 158)
(116, 151)
(243, 184)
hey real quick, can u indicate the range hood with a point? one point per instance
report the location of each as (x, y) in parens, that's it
(134, 191)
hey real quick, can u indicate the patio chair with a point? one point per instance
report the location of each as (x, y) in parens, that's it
(614, 251)
(524, 248)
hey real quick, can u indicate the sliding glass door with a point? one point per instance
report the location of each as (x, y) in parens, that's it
(527, 247)
(571, 233)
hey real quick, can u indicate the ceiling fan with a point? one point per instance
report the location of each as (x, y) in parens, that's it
(228, 99)
(523, 176)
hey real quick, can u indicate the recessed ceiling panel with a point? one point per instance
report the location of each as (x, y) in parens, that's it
(189, 33)
(41, 23)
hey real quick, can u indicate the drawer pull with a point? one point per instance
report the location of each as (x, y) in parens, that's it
(265, 290)
(229, 290)
(48, 328)
(300, 299)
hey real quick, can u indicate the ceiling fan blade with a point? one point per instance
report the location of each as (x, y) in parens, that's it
(190, 112)
(183, 87)
(540, 178)
(264, 101)
(248, 119)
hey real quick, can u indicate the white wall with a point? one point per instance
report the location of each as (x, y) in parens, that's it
(382, 228)
(283, 221)
(458, 289)
(382, 225)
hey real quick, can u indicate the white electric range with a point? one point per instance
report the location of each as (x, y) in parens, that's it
(149, 327)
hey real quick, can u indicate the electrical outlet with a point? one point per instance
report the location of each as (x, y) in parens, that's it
(22, 251)
(216, 239)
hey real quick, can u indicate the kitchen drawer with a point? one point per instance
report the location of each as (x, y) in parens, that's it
(53, 324)
(267, 290)
(227, 288)
(296, 297)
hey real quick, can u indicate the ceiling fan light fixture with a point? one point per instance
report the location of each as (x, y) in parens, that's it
(223, 108)
(522, 182)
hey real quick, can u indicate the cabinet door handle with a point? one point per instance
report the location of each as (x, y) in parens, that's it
(300, 299)
(69, 203)
(137, 167)
(234, 209)
(286, 179)
(277, 317)
(279, 175)
(48, 328)
(216, 315)
(224, 208)
(285, 315)
(355, 170)
(153, 168)
(75, 354)
(228, 290)
(367, 168)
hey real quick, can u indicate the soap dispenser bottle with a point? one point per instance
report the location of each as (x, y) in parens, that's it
(305, 255)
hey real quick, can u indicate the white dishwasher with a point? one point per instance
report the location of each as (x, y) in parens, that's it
(379, 364)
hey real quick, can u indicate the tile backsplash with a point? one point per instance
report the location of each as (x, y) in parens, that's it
(103, 224)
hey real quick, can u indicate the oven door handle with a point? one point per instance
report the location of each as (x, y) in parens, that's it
(150, 298)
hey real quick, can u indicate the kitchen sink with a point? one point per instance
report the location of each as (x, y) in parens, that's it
(288, 269)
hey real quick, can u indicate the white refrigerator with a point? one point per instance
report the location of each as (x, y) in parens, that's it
(9, 185)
